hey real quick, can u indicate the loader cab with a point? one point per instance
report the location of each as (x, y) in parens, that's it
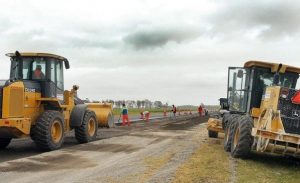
(246, 84)
(40, 72)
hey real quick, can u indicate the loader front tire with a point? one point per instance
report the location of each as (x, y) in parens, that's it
(212, 134)
(87, 132)
(242, 139)
(48, 131)
(4, 142)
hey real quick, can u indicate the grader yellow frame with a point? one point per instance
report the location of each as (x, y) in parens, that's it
(41, 109)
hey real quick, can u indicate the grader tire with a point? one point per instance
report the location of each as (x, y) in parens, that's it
(212, 134)
(242, 139)
(87, 132)
(232, 120)
(4, 142)
(225, 120)
(48, 132)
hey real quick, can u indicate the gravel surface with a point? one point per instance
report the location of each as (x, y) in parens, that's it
(143, 152)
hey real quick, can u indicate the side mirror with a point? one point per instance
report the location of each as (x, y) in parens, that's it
(75, 87)
(240, 74)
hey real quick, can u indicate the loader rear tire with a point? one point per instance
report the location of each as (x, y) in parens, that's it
(228, 132)
(87, 132)
(4, 142)
(48, 132)
(212, 134)
(242, 139)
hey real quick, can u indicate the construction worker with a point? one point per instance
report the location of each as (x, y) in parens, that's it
(146, 115)
(200, 110)
(174, 110)
(38, 73)
(124, 113)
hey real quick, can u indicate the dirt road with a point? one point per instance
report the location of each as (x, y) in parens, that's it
(144, 152)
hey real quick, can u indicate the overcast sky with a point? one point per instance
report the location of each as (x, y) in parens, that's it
(173, 51)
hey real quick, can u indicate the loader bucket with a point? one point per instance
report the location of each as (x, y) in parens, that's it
(103, 112)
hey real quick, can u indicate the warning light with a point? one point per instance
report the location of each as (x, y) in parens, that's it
(6, 122)
(296, 98)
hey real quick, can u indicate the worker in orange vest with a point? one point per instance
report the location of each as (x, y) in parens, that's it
(124, 113)
(200, 110)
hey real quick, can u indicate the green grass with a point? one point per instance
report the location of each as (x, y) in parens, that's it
(268, 169)
(208, 164)
(211, 164)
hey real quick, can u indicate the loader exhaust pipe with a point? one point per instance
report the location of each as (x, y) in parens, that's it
(19, 60)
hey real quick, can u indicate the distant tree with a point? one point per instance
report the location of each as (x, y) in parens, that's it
(118, 103)
(111, 101)
(143, 103)
(138, 103)
(158, 104)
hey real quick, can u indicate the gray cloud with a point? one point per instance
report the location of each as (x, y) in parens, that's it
(272, 19)
(151, 38)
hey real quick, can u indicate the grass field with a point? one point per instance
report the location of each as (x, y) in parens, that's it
(211, 163)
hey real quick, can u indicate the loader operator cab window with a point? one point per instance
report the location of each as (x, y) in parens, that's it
(34, 68)
(57, 73)
(238, 89)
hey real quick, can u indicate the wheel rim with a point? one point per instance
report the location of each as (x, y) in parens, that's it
(56, 131)
(236, 137)
(91, 127)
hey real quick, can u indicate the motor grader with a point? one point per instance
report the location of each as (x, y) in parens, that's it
(34, 103)
(264, 109)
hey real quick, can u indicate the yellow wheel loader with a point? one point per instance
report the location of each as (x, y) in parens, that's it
(264, 110)
(33, 103)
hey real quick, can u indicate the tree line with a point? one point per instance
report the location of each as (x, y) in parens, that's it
(135, 103)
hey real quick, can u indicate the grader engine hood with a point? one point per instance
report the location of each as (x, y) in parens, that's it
(290, 111)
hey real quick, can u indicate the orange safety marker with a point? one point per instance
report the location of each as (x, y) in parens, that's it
(147, 115)
(142, 115)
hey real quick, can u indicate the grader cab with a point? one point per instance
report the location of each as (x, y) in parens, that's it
(264, 109)
(33, 103)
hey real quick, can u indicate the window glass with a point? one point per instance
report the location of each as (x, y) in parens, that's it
(52, 67)
(59, 75)
(238, 89)
(38, 67)
(26, 70)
